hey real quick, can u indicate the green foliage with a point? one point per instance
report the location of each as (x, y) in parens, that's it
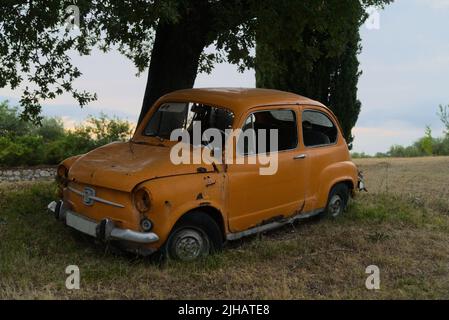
(426, 143)
(23, 150)
(318, 58)
(360, 155)
(444, 117)
(35, 46)
(22, 143)
(441, 146)
(105, 130)
(10, 123)
(50, 129)
(399, 151)
(425, 146)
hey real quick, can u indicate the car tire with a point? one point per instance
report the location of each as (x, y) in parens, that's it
(194, 236)
(337, 201)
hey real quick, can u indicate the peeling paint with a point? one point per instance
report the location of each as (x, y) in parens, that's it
(209, 181)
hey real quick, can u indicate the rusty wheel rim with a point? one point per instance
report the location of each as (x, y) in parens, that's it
(191, 244)
(335, 205)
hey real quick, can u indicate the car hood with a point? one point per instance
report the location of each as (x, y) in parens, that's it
(123, 165)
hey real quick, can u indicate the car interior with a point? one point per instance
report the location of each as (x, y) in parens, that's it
(282, 120)
(318, 129)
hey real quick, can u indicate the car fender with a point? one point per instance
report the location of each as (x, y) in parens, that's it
(172, 197)
(345, 171)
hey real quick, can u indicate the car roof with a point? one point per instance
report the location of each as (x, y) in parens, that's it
(239, 100)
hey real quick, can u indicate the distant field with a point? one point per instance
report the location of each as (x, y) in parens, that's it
(421, 180)
(402, 226)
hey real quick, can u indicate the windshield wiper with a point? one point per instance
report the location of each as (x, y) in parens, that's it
(149, 143)
(156, 136)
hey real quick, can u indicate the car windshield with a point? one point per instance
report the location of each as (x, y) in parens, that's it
(182, 115)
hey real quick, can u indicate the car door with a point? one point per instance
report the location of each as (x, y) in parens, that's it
(320, 138)
(255, 198)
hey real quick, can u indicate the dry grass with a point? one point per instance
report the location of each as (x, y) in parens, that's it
(407, 239)
(424, 181)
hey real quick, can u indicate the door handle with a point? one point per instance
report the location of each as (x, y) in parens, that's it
(300, 156)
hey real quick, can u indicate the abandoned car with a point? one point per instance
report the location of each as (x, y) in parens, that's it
(134, 194)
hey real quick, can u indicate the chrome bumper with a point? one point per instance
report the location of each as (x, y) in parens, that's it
(105, 229)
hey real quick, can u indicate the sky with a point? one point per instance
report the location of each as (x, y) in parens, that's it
(405, 65)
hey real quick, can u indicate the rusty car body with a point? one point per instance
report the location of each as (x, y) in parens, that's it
(132, 193)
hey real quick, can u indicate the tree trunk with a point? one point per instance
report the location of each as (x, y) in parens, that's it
(175, 57)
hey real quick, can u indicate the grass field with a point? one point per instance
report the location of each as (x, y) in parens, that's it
(402, 226)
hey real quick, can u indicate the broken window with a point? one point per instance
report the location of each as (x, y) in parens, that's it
(318, 129)
(182, 115)
(256, 137)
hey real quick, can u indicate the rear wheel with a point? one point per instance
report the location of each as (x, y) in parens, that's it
(337, 201)
(194, 236)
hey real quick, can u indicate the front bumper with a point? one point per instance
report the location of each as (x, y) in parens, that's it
(104, 230)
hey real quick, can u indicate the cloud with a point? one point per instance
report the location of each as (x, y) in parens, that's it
(436, 4)
(372, 139)
(69, 123)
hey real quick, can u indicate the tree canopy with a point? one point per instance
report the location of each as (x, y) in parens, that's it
(169, 38)
(35, 46)
(319, 57)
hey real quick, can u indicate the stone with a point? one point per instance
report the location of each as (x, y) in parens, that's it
(45, 173)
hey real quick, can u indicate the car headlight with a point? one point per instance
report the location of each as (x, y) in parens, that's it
(62, 175)
(142, 200)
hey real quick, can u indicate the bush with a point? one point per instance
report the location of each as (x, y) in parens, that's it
(51, 129)
(49, 143)
(10, 122)
(25, 150)
(441, 146)
(360, 155)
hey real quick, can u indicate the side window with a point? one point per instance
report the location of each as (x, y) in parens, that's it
(318, 129)
(256, 130)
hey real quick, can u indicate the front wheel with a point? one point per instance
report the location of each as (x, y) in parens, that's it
(337, 201)
(193, 237)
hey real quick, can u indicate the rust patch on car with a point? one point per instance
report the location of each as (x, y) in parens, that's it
(209, 181)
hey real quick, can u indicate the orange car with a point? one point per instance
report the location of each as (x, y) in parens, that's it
(138, 194)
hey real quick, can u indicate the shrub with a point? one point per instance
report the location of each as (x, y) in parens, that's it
(49, 143)
(25, 150)
(10, 122)
(51, 129)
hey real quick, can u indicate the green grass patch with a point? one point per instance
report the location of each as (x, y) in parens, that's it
(390, 208)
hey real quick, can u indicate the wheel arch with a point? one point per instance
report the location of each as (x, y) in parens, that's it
(209, 210)
(346, 181)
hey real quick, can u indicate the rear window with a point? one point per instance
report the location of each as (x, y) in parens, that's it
(318, 129)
